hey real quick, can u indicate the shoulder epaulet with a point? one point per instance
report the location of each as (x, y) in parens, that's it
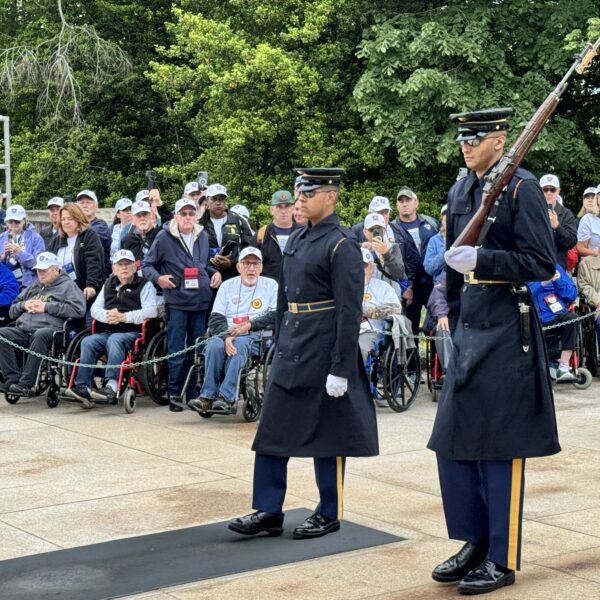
(260, 235)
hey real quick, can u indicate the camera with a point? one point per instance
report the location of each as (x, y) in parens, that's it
(378, 234)
(150, 180)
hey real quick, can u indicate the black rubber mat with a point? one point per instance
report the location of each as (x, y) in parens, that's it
(148, 562)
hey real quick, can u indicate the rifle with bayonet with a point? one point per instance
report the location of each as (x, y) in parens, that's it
(499, 177)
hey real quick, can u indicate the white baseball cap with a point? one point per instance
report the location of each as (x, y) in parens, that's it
(122, 204)
(15, 212)
(374, 220)
(250, 251)
(549, 180)
(139, 206)
(590, 190)
(366, 256)
(240, 209)
(45, 260)
(87, 193)
(216, 189)
(122, 255)
(55, 201)
(379, 203)
(191, 187)
(142, 195)
(183, 202)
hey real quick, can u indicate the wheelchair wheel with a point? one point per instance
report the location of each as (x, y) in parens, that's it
(584, 379)
(52, 398)
(129, 400)
(267, 366)
(72, 353)
(11, 398)
(401, 381)
(252, 406)
(155, 377)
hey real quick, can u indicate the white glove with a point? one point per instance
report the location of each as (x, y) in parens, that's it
(336, 386)
(462, 259)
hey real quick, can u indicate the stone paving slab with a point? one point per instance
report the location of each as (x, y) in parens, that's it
(70, 477)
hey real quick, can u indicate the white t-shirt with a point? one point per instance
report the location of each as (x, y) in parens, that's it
(65, 257)
(589, 229)
(218, 224)
(235, 300)
(377, 293)
(188, 240)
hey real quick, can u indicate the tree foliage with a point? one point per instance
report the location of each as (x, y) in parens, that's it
(248, 89)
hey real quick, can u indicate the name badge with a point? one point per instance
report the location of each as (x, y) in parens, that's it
(190, 278)
(17, 273)
(238, 320)
(553, 304)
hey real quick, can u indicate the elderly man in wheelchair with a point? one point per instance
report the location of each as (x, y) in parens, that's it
(40, 311)
(244, 305)
(125, 301)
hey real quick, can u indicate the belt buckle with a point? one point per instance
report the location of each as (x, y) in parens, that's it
(293, 307)
(470, 277)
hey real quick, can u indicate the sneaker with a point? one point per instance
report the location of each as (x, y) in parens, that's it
(381, 403)
(105, 394)
(82, 394)
(222, 406)
(200, 404)
(564, 375)
(21, 390)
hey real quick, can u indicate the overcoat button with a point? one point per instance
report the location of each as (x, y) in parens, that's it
(297, 323)
(285, 288)
(487, 324)
(280, 355)
(297, 290)
(466, 325)
(296, 358)
(484, 286)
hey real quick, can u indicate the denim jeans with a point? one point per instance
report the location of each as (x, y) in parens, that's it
(183, 327)
(216, 362)
(114, 345)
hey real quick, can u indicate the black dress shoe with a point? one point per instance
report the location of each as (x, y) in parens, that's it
(457, 566)
(315, 526)
(175, 407)
(487, 577)
(258, 522)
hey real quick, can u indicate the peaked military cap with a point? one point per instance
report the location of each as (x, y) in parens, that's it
(311, 178)
(479, 123)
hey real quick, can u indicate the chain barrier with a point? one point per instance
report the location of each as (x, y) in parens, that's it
(154, 361)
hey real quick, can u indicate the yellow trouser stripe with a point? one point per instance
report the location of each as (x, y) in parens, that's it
(515, 509)
(340, 486)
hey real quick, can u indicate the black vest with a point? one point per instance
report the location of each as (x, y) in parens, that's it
(125, 299)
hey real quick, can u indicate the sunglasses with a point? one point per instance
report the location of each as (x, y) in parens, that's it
(312, 193)
(550, 189)
(473, 143)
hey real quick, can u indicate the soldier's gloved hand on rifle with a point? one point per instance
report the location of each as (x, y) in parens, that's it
(462, 259)
(336, 386)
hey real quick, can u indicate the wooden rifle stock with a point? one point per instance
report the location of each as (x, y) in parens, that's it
(499, 177)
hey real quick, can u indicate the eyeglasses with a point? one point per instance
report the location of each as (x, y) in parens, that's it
(550, 189)
(248, 265)
(473, 143)
(312, 193)
(188, 213)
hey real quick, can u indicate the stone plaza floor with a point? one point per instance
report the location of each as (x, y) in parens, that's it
(70, 477)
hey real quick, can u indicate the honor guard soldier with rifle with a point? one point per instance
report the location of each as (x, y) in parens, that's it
(317, 403)
(496, 408)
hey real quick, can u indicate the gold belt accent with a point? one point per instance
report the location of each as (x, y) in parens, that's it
(470, 279)
(308, 307)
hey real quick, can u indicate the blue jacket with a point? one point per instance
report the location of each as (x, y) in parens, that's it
(169, 255)
(434, 262)
(9, 286)
(26, 258)
(103, 232)
(564, 289)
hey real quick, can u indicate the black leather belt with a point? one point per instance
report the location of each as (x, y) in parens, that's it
(309, 307)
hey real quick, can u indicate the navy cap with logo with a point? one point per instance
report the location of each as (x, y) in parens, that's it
(476, 124)
(312, 178)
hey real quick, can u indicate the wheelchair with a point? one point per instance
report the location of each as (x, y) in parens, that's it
(590, 351)
(132, 381)
(251, 381)
(49, 378)
(583, 377)
(390, 380)
(433, 367)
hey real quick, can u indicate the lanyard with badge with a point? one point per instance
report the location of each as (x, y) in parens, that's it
(243, 318)
(13, 263)
(191, 275)
(553, 303)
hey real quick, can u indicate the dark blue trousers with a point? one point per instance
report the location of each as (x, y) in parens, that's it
(270, 484)
(483, 504)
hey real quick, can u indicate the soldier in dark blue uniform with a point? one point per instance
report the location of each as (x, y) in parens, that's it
(317, 401)
(496, 408)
